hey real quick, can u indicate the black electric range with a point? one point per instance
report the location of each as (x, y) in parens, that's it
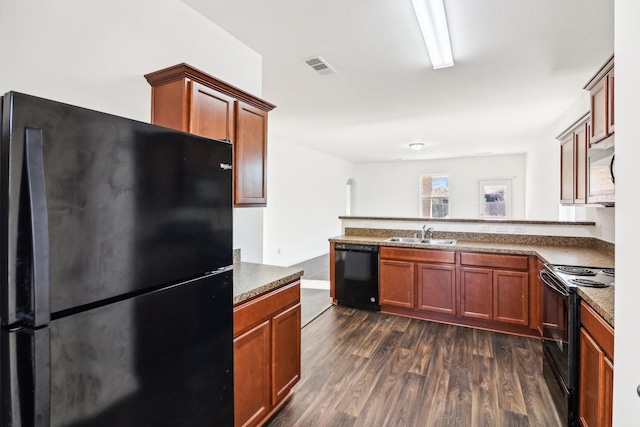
(561, 330)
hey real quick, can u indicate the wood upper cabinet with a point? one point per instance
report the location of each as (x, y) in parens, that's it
(601, 90)
(611, 119)
(574, 145)
(599, 111)
(492, 288)
(251, 152)
(581, 146)
(267, 352)
(596, 370)
(567, 160)
(211, 113)
(190, 100)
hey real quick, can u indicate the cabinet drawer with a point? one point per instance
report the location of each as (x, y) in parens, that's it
(512, 262)
(418, 255)
(250, 313)
(600, 330)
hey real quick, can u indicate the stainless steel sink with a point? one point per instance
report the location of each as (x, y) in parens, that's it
(404, 239)
(447, 242)
(438, 241)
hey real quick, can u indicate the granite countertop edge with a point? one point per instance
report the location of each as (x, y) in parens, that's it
(468, 220)
(250, 280)
(602, 300)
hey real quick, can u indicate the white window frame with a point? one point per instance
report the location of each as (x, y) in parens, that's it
(422, 196)
(506, 184)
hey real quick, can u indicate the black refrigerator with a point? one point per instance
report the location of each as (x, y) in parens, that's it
(116, 271)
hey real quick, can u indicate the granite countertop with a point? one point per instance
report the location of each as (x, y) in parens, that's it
(602, 300)
(251, 280)
(469, 220)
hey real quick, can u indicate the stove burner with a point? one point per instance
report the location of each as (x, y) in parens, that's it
(575, 271)
(588, 283)
(609, 272)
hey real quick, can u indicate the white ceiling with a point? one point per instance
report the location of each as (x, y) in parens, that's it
(519, 65)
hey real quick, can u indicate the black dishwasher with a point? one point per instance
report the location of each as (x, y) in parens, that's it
(356, 269)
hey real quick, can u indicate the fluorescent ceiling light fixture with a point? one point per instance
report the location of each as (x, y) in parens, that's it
(416, 146)
(433, 24)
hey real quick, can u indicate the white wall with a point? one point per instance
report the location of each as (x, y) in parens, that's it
(307, 194)
(95, 54)
(392, 189)
(543, 168)
(543, 181)
(626, 408)
(603, 217)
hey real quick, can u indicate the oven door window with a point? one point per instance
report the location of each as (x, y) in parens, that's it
(555, 329)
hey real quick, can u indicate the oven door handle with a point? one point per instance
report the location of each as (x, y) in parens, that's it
(547, 280)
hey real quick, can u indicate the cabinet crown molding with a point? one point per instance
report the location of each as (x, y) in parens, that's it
(582, 120)
(181, 71)
(599, 74)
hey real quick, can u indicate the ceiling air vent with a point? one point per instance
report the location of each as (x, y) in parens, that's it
(320, 65)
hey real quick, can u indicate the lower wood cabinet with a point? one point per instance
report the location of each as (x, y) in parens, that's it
(437, 288)
(596, 370)
(418, 279)
(495, 287)
(483, 290)
(397, 283)
(267, 339)
(476, 293)
(498, 295)
(285, 351)
(252, 374)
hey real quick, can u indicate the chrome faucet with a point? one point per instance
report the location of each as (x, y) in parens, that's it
(427, 231)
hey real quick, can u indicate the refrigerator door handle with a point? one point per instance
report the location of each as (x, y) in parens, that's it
(29, 358)
(41, 310)
(42, 377)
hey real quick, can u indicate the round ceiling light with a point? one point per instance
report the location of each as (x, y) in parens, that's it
(416, 146)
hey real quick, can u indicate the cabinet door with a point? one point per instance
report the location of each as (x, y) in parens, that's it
(599, 111)
(397, 283)
(611, 103)
(476, 293)
(607, 394)
(591, 357)
(252, 362)
(511, 297)
(250, 148)
(580, 176)
(211, 113)
(567, 169)
(285, 352)
(437, 288)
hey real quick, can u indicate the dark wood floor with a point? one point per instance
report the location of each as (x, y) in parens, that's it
(313, 303)
(369, 369)
(316, 268)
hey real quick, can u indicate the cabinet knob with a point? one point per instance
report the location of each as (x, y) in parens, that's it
(638, 390)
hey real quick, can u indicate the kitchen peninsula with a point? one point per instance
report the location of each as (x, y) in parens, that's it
(266, 339)
(557, 242)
